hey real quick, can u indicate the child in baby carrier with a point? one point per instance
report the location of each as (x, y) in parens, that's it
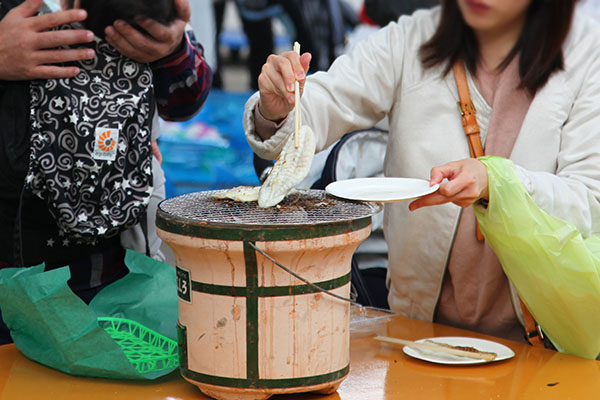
(107, 116)
(110, 184)
(75, 192)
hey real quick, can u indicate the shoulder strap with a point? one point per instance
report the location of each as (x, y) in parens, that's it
(467, 113)
(533, 332)
(467, 110)
(469, 120)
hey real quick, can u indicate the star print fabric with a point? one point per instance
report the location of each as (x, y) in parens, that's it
(91, 155)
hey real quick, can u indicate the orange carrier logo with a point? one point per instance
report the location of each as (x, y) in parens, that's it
(105, 143)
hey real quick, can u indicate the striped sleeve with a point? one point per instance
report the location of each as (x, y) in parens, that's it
(182, 81)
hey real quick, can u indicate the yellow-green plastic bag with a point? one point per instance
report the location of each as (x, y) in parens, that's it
(554, 269)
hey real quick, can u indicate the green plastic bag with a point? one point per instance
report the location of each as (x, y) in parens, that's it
(554, 269)
(54, 327)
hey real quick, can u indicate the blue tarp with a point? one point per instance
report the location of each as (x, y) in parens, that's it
(209, 151)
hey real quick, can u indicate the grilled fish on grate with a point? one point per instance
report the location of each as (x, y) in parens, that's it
(291, 167)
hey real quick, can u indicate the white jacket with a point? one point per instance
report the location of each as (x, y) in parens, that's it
(557, 153)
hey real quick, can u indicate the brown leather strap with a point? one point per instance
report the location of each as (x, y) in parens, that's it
(533, 332)
(469, 120)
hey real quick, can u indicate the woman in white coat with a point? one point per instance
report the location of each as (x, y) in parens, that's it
(533, 73)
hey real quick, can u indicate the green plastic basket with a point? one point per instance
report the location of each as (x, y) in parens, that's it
(146, 349)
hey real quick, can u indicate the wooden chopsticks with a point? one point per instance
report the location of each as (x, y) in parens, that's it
(433, 346)
(297, 99)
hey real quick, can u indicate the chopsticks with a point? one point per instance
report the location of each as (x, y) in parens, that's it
(440, 348)
(297, 99)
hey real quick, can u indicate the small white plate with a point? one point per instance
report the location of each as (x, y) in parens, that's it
(502, 351)
(380, 189)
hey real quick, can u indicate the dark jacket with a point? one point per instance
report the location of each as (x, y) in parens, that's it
(383, 12)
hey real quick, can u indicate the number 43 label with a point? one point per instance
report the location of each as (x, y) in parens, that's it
(184, 285)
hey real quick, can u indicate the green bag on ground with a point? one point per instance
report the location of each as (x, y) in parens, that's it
(554, 269)
(54, 327)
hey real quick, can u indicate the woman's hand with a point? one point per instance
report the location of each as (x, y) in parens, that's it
(276, 83)
(467, 183)
(27, 51)
(161, 41)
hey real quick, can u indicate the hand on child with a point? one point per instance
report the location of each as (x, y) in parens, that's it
(27, 50)
(161, 41)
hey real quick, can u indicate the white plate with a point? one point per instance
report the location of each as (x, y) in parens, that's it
(380, 189)
(502, 351)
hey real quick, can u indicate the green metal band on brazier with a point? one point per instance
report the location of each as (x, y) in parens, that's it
(270, 291)
(304, 381)
(172, 224)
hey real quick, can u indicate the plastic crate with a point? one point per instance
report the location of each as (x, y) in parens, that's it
(146, 349)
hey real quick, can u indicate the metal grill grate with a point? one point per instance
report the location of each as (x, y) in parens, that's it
(305, 207)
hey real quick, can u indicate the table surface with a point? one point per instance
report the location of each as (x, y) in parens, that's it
(378, 371)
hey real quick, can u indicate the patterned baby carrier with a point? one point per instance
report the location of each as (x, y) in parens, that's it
(91, 153)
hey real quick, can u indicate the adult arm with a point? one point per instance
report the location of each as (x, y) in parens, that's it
(182, 81)
(358, 91)
(572, 193)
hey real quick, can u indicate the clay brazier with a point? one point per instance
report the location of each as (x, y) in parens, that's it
(247, 328)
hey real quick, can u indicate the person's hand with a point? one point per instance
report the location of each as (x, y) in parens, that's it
(467, 183)
(156, 151)
(27, 51)
(161, 41)
(276, 83)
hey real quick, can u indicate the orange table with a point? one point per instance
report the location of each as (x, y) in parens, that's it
(378, 372)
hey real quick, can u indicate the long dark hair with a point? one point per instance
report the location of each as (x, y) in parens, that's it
(539, 46)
